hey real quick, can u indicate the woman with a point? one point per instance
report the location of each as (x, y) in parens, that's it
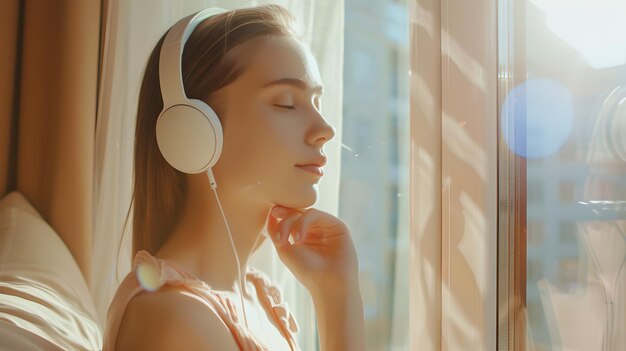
(264, 84)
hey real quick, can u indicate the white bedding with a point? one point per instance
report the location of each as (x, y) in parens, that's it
(45, 303)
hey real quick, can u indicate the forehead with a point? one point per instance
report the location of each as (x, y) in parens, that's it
(281, 57)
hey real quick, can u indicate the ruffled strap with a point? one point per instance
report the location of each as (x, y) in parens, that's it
(271, 298)
(152, 273)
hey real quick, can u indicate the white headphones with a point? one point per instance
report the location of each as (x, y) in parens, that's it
(188, 131)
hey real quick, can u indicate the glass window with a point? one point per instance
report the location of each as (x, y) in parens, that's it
(374, 181)
(563, 117)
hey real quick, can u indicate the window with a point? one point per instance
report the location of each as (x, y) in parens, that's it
(374, 182)
(567, 84)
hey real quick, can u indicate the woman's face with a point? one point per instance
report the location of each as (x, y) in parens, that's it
(272, 122)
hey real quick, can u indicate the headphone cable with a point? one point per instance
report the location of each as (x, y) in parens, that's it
(241, 290)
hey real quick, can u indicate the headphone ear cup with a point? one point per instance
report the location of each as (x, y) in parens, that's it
(190, 136)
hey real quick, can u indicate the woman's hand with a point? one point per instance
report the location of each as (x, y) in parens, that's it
(322, 256)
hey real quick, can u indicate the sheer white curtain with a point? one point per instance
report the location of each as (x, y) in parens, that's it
(131, 30)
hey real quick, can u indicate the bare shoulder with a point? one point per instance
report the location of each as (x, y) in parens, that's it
(172, 319)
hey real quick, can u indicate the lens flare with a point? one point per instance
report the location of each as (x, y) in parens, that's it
(537, 117)
(148, 276)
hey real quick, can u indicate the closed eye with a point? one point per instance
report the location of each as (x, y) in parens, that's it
(286, 107)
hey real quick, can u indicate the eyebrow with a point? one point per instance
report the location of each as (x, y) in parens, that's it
(295, 82)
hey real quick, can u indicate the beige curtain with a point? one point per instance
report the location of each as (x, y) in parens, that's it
(49, 70)
(9, 14)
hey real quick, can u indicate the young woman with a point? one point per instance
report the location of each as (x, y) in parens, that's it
(184, 291)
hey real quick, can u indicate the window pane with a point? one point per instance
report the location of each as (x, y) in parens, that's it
(374, 181)
(565, 115)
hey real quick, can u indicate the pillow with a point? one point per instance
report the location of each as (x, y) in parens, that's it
(16, 338)
(42, 290)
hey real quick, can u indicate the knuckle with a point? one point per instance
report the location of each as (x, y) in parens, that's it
(343, 225)
(311, 210)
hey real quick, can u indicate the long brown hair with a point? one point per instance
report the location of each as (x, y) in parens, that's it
(208, 64)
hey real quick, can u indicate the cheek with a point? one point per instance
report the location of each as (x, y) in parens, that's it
(252, 155)
(262, 147)
(274, 136)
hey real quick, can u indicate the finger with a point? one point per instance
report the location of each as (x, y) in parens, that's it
(281, 211)
(314, 219)
(285, 228)
(272, 225)
(274, 216)
(276, 213)
(323, 218)
(302, 224)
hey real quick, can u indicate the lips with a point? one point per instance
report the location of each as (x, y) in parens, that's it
(314, 165)
(314, 169)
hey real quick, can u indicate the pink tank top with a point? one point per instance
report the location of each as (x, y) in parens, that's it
(171, 273)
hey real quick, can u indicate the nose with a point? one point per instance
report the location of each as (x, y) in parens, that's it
(322, 131)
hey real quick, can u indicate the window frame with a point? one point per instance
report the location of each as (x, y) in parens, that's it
(454, 94)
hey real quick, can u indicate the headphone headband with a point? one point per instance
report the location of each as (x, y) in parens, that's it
(170, 60)
(188, 132)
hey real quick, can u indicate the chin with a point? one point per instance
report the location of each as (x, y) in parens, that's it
(302, 198)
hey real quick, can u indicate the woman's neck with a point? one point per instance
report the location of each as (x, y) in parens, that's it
(200, 242)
